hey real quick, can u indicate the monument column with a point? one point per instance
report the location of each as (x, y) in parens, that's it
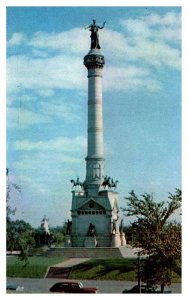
(95, 208)
(94, 62)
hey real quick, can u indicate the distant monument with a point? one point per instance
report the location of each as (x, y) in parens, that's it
(95, 208)
(44, 225)
(45, 237)
(69, 227)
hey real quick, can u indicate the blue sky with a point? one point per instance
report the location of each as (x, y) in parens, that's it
(47, 102)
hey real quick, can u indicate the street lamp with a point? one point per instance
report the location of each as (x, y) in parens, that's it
(138, 260)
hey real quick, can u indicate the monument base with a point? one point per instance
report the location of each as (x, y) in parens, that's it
(116, 241)
(90, 241)
(68, 242)
(99, 210)
(102, 241)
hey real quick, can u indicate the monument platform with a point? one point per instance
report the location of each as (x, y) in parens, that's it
(83, 252)
(93, 252)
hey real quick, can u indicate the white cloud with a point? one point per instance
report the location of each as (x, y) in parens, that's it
(154, 25)
(157, 54)
(170, 19)
(20, 99)
(171, 35)
(21, 118)
(129, 78)
(47, 171)
(27, 182)
(27, 98)
(17, 39)
(154, 40)
(68, 112)
(58, 72)
(38, 163)
(45, 92)
(39, 53)
(137, 27)
(57, 144)
(20, 112)
(72, 41)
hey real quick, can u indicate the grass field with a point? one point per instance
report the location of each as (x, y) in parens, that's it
(110, 269)
(98, 269)
(36, 268)
(119, 269)
(106, 269)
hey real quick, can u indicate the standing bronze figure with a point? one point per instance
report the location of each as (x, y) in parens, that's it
(94, 34)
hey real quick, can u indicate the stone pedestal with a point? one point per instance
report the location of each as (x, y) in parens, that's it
(90, 242)
(100, 210)
(68, 242)
(116, 241)
(123, 240)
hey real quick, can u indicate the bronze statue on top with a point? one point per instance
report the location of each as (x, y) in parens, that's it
(94, 34)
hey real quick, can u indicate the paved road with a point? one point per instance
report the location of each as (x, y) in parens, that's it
(105, 287)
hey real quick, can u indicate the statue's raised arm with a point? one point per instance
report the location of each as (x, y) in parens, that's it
(102, 26)
(94, 34)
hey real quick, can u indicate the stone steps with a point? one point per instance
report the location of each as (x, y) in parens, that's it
(80, 252)
(58, 272)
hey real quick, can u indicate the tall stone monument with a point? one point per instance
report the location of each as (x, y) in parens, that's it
(95, 210)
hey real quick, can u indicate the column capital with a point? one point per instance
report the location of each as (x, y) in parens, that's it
(94, 59)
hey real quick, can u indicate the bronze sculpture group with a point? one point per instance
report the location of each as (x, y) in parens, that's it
(107, 182)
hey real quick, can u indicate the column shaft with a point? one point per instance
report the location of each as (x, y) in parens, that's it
(95, 118)
(94, 62)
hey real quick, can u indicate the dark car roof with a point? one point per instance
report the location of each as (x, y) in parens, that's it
(60, 282)
(72, 285)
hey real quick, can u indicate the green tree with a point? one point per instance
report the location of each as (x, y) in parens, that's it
(58, 235)
(20, 236)
(160, 266)
(160, 240)
(10, 186)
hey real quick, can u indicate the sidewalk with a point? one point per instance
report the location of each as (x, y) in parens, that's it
(71, 262)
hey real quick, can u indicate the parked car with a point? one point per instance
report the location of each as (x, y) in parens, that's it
(15, 287)
(145, 289)
(72, 287)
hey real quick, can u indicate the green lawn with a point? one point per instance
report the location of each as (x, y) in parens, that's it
(36, 268)
(99, 269)
(119, 269)
(110, 269)
(106, 269)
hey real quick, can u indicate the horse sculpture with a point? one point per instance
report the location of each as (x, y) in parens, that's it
(77, 183)
(109, 182)
(106, 182)
(114, 184)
